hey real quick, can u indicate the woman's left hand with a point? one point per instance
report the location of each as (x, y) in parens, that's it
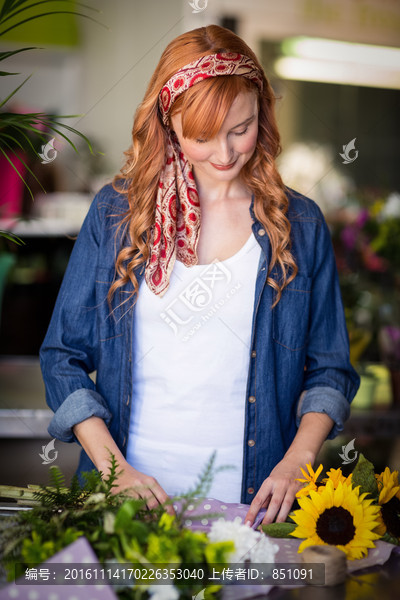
(278, 491)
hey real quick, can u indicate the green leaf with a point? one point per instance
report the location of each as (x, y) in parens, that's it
(8, 6)
(13, 139)
(4, 55)
(364, 476)
(8, 235)
(124, 519)
(391, 539)
(67, 138)
(22, 123)
(14, 91)
(4, 73)
(279, 530)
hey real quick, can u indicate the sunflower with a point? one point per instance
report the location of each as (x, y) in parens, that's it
(340, 517)
(310, 480)
(336, 476)
(389, 501)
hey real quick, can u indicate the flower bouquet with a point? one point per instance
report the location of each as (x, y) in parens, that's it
(366, 239)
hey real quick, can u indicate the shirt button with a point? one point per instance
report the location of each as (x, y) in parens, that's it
(261, 232)
(251, 442)
(253, 354)
(252, 399)
(250, 490)
(123, 443)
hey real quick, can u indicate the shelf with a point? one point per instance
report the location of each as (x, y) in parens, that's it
(25, 423)
(40, 227)
(54, 214)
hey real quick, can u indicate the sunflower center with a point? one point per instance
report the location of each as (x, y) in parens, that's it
(335, 526)
(391, 516)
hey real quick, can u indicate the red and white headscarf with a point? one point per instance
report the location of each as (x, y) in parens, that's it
(177, 220)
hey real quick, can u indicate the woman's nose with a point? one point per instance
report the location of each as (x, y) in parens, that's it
(224, 151)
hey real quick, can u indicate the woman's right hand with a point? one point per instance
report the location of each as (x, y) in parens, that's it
(97, 442)
(140, 485)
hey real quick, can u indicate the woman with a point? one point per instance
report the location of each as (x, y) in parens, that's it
(205, 295)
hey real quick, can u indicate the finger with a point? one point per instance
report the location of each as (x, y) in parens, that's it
(151, 501)
(151, 494)
(161, 495)
(260, 501)
(274, 506)
(285, 507)
(156, 496)
(163, 499)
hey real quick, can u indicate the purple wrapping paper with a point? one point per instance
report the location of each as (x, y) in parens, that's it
(198, 514)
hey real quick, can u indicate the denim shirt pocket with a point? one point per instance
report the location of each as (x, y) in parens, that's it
(290, 321)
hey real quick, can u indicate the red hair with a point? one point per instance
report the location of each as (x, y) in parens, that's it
(204, 108)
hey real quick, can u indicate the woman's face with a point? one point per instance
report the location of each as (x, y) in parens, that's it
(222, 157)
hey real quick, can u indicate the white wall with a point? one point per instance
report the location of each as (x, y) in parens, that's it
(117, 65)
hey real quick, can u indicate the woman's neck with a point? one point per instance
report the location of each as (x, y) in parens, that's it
(215, 192)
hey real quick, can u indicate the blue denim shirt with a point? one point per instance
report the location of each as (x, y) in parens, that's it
(299, 353)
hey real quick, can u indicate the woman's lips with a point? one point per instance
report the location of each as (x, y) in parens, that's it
(223, 167)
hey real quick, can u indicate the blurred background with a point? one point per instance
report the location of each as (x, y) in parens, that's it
(335, 68)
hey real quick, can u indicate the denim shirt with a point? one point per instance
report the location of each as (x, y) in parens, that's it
(298, 357)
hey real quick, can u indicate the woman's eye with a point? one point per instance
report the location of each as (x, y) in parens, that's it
(242, 132)
(203, 141)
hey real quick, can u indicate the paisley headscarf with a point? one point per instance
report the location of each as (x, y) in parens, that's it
(176, 228)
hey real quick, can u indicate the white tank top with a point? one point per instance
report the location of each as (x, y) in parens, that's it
(190, 368)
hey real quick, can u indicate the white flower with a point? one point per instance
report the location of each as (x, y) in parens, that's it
(249, 544)
(163, 592)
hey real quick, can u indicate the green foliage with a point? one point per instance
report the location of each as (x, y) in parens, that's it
(35, 550)
(118, 527)
(364, 476)
(201, 488)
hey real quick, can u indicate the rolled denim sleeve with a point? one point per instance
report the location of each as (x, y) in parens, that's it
(325, 400)
(70, 350)
(330, 382)
(77, 407)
